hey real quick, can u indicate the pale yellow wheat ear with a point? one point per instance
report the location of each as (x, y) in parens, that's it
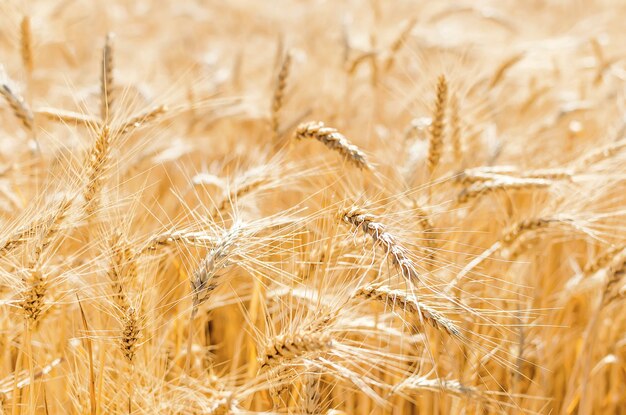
(278, 97)
(26, 45)
(398, 300)
(106, 78)
(289, 347)
(17, 103)
(437, 127)
(334, 140)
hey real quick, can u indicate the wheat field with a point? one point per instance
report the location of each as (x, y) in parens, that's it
(312, 207)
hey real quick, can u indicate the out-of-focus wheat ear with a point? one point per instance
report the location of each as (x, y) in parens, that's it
(511, 234)
(398, 42)
(417, 384)
(311, 393)
(32, 301)
(334, 140)
(510, 184)
(381, 237)
(437, 127)
(68, 117)
(455, 131)
(601, 153)
(20, 108)
(106, 79)
(130, 334)
(53, 227)
(140, 120)
(278, 97)
(96, 166)
(289, 347)
(235, 194)
(26, 44)
(401, 300)
(121, 270)
(602, 260)
(504, 67)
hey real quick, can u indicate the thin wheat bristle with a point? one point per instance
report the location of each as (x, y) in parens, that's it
(334, 140)
(381, 237)
(279, 95)
(286, 348)
(437, 127)
(106, 78)
(400, 300)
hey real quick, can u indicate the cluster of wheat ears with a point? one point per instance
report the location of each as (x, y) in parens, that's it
(312, 207)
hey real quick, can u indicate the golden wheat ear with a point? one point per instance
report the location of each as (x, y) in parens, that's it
(334, 140)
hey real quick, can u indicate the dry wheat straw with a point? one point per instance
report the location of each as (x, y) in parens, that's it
(381, 237)
(396, 299)
(279, 95)
(438, 125)
(286, 348)
(334, 140)
(106, 78)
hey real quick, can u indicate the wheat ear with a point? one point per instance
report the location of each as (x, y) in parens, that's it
(398, 42)
(21, 110)
(381, 237)
(68, 117)
(32, 301)
(334, 140)
(53, 226)
(437, 126)
(286, 348)
(454, 387)
(279, 95)
(311, 394)
(397, 299)
(141, 119)
(106, 78)
(26, 45)
(500, 184)
(602, 260)
(96, 165)
(130, 334)
(205, 278)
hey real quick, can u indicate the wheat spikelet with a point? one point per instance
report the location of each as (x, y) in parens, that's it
(106, 78)
(512, 184)
(377, 231)
(139, 120)
(205, 278)
(68, 117)
(602, 260)
(96, 165)
(455, 130)
(438, 125)
(310, 395)
(21, 110)
(286, 348)
(279, 95)
(130, 334)
(396, 299)
(332, 139)
(26, 45)
(32, 301)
